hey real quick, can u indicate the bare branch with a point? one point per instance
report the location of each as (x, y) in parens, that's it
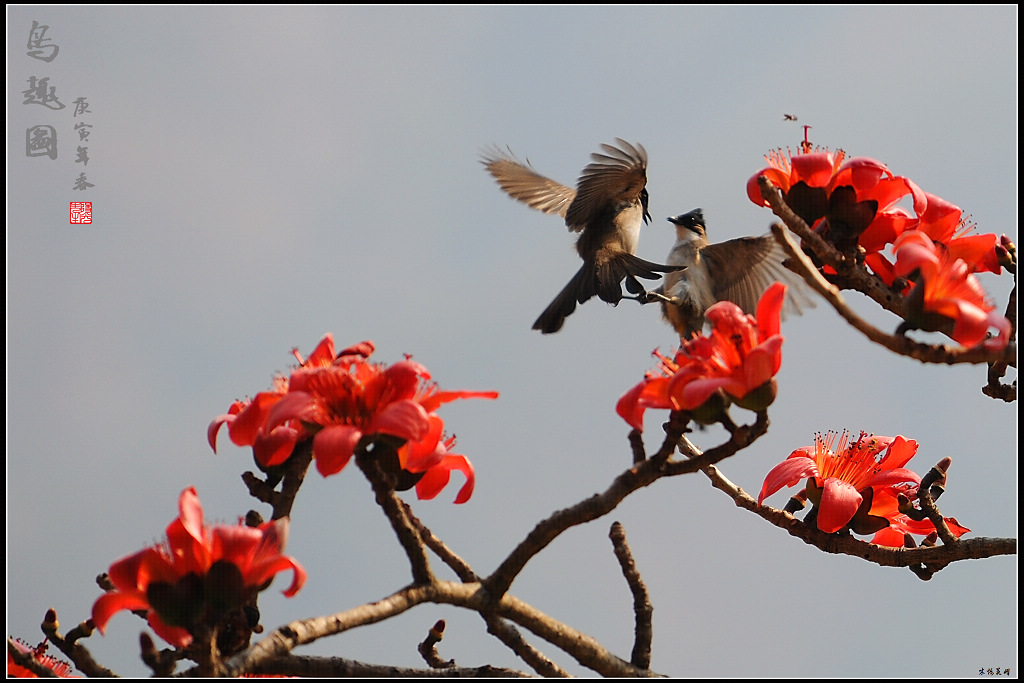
(293, 475)
(446, 554)
(513, 639)
(395, 511)
(499, 628)
(642, 608)
(583, 648)
(640, 475)
(339, 667)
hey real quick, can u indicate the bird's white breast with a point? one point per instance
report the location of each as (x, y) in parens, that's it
(628, 224)
(693, 285)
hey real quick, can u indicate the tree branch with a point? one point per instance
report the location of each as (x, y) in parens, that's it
(395, 511)
(640, 475)
(845, 544)
(926, 353)
(583, 648)
(642, 608)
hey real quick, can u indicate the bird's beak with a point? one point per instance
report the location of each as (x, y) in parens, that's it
(691, 220)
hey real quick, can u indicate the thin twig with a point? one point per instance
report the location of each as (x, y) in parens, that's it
(446, 554)
(642, 608)
(77, 653)
(295, 472)
(501, 629)
(428, 648)
(508, 634)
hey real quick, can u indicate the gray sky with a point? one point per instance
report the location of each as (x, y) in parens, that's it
(262, 176)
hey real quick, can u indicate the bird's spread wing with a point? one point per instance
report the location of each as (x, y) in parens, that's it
(521, 182)
(617, 175)
(741, 269)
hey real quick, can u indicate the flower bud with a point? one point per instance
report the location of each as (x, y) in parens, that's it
(712, 410)
(761, 397)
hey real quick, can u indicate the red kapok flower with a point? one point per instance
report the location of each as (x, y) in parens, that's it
(948, 290)
(802, 178)
(846, 482)
(944, 223)
(740, 357)
(198, 575)
(338, 400)
(886, 505)
(857, 198)
(862, 204)
(247, 419)
(436, 466)
(60, 668)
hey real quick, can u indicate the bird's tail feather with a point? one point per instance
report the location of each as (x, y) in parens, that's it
(627, 267)
(581, 287)
(603, 280)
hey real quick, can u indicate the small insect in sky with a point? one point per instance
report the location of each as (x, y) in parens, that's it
(788, 117)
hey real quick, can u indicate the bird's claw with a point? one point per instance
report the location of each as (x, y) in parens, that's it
(650, 297)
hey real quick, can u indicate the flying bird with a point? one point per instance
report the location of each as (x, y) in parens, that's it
(737, 270)
(608, 209)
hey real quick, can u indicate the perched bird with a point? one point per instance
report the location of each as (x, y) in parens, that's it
(737, 270)
(608, 208)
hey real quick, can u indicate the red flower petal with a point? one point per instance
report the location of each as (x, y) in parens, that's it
(761, 364)
(769, 309)
(437, 477)
(113, 602)
(295, 405)
(839, 503)
(789, 472)
(892, 478)
(333, 447)
(190, 512)
(405, 419)
(269, 568)
(691, 393)
(900, 450)
(424, 453)
(251, 418)
(403, 378)
(778, 178)
(434, 400)
(814, 169)
(211, 431)
(629, 408)
(323, 354)
(276, 447)
(175, 635)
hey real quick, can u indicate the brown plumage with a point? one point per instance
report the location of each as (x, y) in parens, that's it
(608, 208)
(737, 270)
